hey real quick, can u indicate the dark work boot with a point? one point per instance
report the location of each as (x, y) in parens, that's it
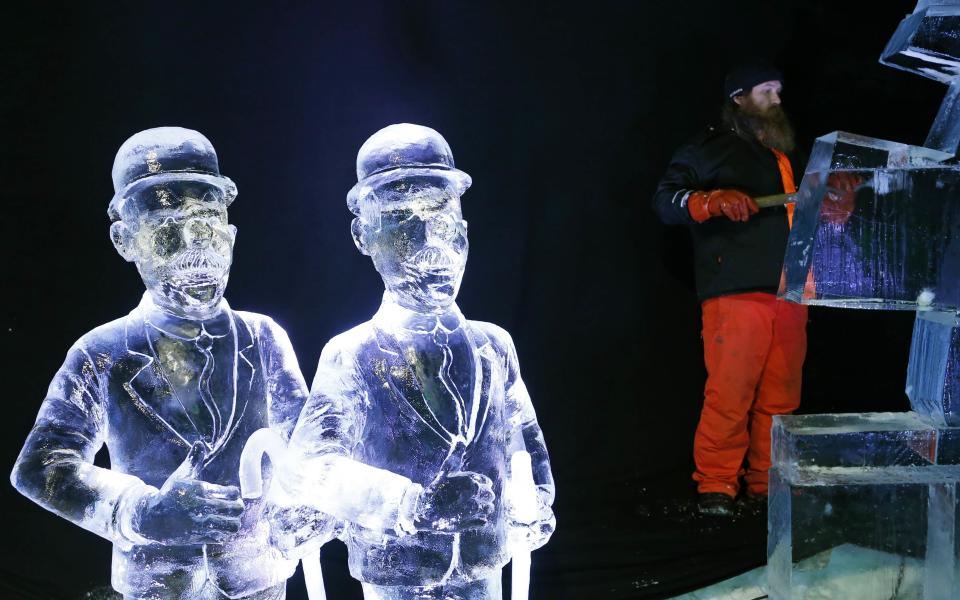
(754, 503)
(715, 504)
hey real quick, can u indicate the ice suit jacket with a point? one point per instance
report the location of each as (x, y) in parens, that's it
(366, 404)
(111, 390)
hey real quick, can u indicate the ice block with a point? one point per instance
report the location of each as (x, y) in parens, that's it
(862, 487)
(876, 225)
(933, 379)
(926, 43)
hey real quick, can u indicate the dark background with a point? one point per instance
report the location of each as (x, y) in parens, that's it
(565, 114)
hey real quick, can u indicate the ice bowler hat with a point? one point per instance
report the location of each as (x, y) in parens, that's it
(164, 156)
(399, 153)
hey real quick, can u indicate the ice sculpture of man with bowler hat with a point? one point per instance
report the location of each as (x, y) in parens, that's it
(173, 389)
(430, 405)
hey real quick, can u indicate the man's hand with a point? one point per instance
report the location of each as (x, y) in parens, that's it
(733, 204)
(536, 533)
(840, 197)
(455, 500)
(188, 511)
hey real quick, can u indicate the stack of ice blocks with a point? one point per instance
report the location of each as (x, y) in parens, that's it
(865, 506)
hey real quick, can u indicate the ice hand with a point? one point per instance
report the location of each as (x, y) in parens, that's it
(189, 511)
(299, 530)
(456, 500)
(535, 534)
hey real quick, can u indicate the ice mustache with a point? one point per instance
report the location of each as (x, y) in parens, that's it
(437, 260)
(200, 264)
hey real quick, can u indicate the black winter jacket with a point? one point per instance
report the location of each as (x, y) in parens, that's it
(730, 257)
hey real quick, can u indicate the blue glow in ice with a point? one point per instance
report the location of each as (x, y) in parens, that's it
(933, 374)
(413, 416)
(173, 390)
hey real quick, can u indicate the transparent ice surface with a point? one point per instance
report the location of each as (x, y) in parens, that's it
(269, 442)
(853, 440)
(876, 225)
(869, 480)
(172, 390)
(907, 512)
(927, 43)
(933, 373)
(414, 415)
(948, 447)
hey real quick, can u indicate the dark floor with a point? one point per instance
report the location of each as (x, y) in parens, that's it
(650, 543)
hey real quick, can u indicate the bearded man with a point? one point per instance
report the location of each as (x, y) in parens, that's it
(754, 344)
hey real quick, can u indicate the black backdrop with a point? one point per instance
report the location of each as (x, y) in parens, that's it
(565, 114)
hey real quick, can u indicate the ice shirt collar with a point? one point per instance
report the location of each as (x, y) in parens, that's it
(181, 327)
(393, 317)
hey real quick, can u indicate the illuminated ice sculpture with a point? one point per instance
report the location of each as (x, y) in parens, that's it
(867, 505)
(414, 415)
(173, 390)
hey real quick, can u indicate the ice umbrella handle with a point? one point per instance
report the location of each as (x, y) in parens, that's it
(262, 441)
(269, 442)
(523, 497)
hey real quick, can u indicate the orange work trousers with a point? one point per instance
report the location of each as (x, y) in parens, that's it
(753, 347)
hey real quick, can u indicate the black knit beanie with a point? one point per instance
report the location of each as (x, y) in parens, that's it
(742, 79)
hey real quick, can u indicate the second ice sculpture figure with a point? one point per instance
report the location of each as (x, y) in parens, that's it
(432, 404)
(173, 389)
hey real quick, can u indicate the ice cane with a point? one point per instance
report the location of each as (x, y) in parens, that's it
(523, 496)
(267, 441)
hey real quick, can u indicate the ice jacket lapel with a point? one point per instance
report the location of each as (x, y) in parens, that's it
(403, 384)
(149, 390)
(485, 382)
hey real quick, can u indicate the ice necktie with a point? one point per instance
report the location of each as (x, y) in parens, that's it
(204, 343)
(441, 338)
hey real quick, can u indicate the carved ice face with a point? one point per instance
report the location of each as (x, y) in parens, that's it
(420, 247)
(184, 251)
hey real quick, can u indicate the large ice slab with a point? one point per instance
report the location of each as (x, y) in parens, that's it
(903, 520)
(933, 373)
(876, 225)
(853, 440)
(861, 440)
(885, 483)
(926, 43)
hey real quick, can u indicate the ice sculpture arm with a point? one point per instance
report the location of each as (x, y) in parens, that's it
(527, 435)
(680, 180)
(294, 527)
(321, 471)
(286, 388)
(55, 467)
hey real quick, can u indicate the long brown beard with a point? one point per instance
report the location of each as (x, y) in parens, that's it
(771, 126)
